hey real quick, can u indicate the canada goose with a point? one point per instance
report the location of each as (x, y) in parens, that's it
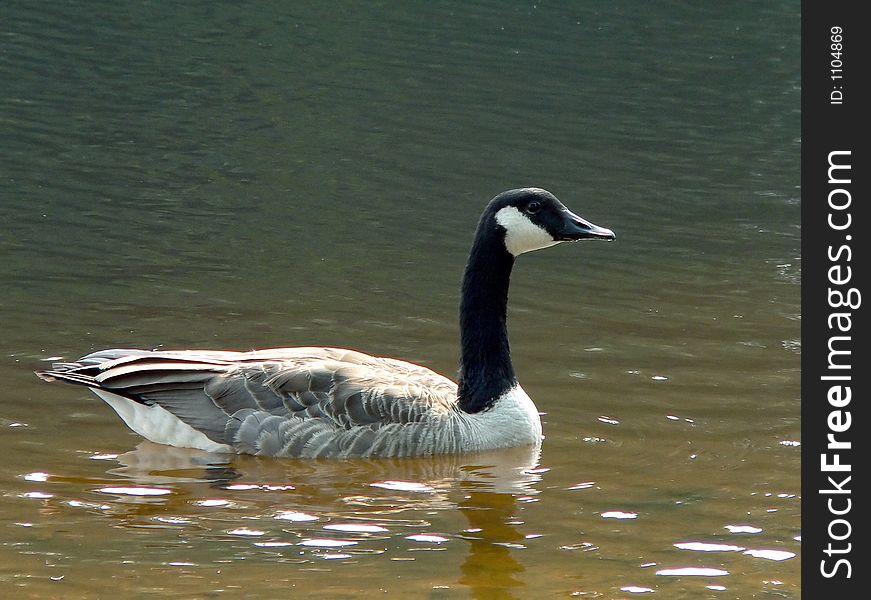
(331, 402)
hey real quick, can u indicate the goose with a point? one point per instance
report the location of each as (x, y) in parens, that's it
(312, 402)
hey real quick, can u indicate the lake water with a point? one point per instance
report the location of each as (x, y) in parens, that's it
(236, 175)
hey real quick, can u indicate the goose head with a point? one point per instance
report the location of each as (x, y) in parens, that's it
(533, 218)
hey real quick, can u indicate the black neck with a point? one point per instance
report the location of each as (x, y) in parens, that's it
(485, 359)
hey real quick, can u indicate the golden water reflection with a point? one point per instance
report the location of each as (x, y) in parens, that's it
(334, 510)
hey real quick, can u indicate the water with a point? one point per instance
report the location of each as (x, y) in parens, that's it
(218, 175)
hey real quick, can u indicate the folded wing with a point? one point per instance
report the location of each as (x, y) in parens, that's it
(281, 402)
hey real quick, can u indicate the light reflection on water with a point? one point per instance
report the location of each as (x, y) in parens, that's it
(335, 510)
(216, 508)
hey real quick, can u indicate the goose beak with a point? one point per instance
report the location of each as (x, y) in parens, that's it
(575, 228)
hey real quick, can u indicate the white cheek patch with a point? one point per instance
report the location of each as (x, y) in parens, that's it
(521, 234)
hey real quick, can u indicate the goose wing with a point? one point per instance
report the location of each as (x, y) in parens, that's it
(279, 402)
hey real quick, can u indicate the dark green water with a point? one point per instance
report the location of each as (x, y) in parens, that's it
(242, 175)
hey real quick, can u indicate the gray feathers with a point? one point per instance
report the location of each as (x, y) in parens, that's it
(302, 402)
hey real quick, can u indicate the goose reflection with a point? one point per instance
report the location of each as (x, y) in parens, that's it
(507, 471)
(487, 488)
(490, 569)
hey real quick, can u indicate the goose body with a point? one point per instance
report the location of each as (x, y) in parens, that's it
(332, 402)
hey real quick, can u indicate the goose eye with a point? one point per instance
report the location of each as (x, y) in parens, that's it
(533, 207)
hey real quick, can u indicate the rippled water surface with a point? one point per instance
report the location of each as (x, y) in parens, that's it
(225, 175)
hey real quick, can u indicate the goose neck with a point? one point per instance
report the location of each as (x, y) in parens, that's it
(486, 372)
